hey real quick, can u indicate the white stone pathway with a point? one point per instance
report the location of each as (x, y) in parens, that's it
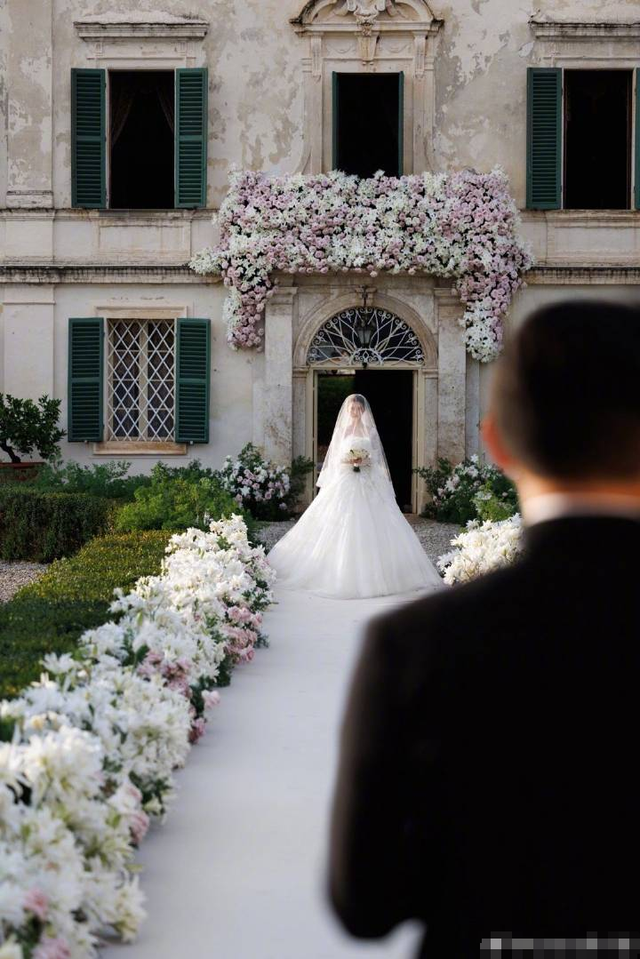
(237, 870)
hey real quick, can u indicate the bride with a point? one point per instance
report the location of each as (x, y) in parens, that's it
(353, 541)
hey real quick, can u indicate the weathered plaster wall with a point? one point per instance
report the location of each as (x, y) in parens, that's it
(256, 102)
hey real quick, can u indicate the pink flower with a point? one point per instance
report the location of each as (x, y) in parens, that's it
(198, 727)
(139, 824)
(211, 697)
(52, 949)
(37, 902)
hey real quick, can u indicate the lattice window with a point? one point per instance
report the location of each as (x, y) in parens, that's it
(367, 336)
(141, 380)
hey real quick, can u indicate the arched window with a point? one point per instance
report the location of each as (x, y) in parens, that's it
(365, 336)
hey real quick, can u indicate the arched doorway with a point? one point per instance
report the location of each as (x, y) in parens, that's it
(373, 351)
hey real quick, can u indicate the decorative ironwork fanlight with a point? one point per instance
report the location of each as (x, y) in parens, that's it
(365, 336)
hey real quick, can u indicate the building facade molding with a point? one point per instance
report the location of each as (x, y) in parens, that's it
(373, 36)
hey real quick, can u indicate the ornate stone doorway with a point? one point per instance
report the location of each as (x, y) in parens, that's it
(319, 324)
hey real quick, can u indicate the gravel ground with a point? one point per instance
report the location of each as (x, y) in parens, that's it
(15, 575)
(435, 537)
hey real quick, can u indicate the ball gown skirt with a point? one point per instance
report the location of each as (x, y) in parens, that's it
(353, 541)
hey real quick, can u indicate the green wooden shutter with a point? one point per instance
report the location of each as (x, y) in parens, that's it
(334, 121)
(191, 137)
(544, 138)
(192, 380)
(637, 171)
(86, 365)
(88, 139)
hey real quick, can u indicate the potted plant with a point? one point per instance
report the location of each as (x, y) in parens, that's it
(26, 426)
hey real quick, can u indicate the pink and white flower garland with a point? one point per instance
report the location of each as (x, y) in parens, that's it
(462, 225)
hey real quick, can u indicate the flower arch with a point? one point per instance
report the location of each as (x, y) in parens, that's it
(461, 225)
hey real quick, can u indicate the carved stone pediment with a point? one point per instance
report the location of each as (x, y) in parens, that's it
(365, 15)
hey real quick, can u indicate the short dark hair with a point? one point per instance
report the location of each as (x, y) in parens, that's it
(566, 391)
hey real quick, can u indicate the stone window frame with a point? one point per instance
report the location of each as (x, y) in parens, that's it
(356, 39)
(594, 44)
(137, 447)
(158, 41)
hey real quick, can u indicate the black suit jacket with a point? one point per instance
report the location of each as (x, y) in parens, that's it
(488, 751)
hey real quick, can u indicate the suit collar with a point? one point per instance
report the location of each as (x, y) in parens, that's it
(588, 535)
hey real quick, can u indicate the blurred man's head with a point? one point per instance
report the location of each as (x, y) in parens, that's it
(565, 400)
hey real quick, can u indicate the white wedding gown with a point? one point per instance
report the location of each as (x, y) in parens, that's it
(353, 541)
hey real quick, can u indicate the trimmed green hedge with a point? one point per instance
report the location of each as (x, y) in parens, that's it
(41, 526)
(50, 614)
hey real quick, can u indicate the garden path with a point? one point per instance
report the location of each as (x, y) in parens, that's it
(237, 871)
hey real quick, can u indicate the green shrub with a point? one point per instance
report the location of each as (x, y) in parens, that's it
(177, 503)
(44, 526)
(74, 594)
(495, 506)
(454, 490)
(117, 559)
(108, 480)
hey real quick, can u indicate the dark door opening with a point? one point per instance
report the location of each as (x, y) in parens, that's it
(597, 139)
(367, 119)
(390, 393)
(141, 111)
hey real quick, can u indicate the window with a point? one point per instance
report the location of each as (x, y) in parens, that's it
(154, 375)
(140, 380)
(154, 146)
(368, 118)
(579, 139)
(597, 112)
(141, 112)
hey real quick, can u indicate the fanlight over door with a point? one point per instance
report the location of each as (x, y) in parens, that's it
(365, 336)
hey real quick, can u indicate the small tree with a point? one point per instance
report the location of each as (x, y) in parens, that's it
(25, 426)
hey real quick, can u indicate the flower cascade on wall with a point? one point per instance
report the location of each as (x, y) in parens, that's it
(462, 225)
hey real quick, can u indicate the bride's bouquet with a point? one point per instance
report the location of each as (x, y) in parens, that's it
(358, 457)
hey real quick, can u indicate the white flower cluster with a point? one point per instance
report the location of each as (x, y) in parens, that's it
(481, 548)
(90, 749)
(252, 481)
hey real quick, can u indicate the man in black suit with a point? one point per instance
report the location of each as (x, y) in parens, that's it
(491, 731)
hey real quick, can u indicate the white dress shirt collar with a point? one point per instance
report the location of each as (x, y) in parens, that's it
(545, 506)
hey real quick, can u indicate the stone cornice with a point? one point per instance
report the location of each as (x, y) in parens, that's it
(582, 30)
(147, 26)
(104, 273)
(546, 274)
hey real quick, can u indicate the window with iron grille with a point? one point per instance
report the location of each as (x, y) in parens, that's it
(141, 380)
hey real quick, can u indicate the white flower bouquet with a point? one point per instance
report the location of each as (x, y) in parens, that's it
(357, 456)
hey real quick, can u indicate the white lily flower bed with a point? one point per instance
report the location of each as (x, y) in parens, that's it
(481, 548)
(90, 749)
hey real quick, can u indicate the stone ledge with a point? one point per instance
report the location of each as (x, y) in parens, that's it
(572, 274)
(144, 273)
(74, 273)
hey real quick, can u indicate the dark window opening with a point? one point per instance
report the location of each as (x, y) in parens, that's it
(141, 139)
(368, 123)
(597, 139)
(390, 393)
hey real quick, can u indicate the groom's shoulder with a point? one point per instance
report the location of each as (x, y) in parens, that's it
(452, 607)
